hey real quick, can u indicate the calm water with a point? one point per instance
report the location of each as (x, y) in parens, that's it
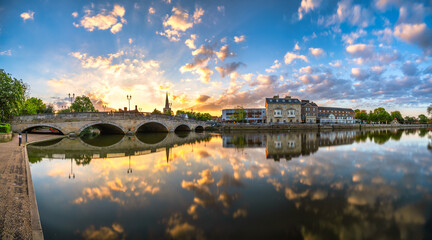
(335, 185)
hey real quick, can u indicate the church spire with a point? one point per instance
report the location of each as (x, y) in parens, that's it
(167, 108)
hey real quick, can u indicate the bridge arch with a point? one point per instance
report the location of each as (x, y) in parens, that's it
(182, 128)
(29, 128)
(151, 126)
(105, 127)
(199, 128)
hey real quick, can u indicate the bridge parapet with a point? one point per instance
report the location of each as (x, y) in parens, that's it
(95, 116)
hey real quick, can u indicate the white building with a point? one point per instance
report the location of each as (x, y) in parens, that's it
(251, 115)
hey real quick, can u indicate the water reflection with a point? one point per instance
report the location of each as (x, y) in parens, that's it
(331, 185)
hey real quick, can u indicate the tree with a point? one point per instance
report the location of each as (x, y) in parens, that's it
(169, 113)
(381, 115)
(239, 114)
(33, 106)
(82, 104)
(155, 111)
(423, 119)
(48, 109)
(429, 109)
(12, 96)
(361, 115)
(410, 119)
(66, 110)
(398, 116)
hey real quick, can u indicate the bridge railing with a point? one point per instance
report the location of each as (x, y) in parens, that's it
(102, 115)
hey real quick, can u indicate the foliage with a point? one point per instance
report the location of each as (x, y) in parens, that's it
(429, 109)
(5, 128)
(410, 119)
(155, 111)
(82, 104)
(380, 115)
(239, 114)
(423, 119)
(48, 109)
(66, 110)
(196, 115)
(169, 113)
(12, 96)
(398, 116)
(361, 115)
(33, 106)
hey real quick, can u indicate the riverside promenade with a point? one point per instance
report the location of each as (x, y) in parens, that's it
(19, 216)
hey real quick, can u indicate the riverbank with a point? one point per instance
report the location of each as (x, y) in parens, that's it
(19, 216)
(316, 127)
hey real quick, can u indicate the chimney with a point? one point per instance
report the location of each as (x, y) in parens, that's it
(276, 96)
(125, 109)
(305, 101)
(136, 108)
(288, 97)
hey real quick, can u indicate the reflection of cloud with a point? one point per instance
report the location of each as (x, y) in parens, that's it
(240, 213)
(291, 195)
(179, 229)
(113, 232)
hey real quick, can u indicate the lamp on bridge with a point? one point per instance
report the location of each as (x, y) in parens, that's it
(104, 107)
(71, 99)
(129, 97)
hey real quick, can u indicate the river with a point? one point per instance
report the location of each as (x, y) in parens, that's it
(305, 185)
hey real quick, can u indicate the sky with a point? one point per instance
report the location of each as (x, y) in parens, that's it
(210, 55)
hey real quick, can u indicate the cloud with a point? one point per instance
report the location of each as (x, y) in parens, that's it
(307, 6)
(317, 52)
(151, 11)
(239, 39)
(336, 63)
(130, 40)
(417, 34)
(289, 57)
(191, 41)
(199, 12)
(6, 53)
(296, 47)
(29, 15)
(360, 50)
(75, 14)
(221, 9)
(359, 74)
(202, 98)
(276, 65)
(409, 69)
(180, 21)
(354, 14)
(224, 52)
(228, 68)
(352, 37)
(109, 78)
(105, 20)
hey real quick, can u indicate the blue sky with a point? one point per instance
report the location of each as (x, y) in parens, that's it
(219, 54)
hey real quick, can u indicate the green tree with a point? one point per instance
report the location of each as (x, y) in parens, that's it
(423, 119)
(66, 110)
(155, 111)
(169, 113)
(239, 114)
(398, 116)
(361, 115)
(82, 104)
(381, 115)
(33, 106)
(410, 119)
(12, 96)
(48, 109)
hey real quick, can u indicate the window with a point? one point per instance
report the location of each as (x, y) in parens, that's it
(278, 113)
(291, 113)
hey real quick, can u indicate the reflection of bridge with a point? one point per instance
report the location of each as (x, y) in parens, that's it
(116, 146)
(114, 123)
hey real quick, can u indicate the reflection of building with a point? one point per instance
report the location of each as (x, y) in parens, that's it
(167, 108)
(283, 110)
(244, 141)
(335, 115)
(309, 111)
(283, 146)
(251, 114)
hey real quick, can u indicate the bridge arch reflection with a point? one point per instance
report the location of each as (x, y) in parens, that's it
(153, 126)
(104, 128)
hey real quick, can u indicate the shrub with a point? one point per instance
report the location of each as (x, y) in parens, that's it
(5, 128)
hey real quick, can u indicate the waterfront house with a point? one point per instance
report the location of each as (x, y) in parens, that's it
(283, 110)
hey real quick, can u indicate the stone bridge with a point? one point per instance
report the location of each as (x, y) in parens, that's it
(107, 123)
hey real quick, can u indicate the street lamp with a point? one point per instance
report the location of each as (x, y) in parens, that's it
(129, 97)
(71, 99)
(71, 174)
(129, 169)
(104, 107)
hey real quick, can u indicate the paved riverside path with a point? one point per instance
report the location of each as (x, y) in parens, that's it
(16, 196)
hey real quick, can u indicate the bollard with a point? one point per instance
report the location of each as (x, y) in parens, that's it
(26, 136)
(19, 139)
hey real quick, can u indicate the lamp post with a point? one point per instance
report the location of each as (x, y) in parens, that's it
(71, 99)
(129, 169)
(129, 97)
(71, 174)
(104, 107)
